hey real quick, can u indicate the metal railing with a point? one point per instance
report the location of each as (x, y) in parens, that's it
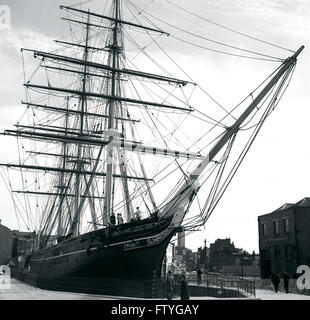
(224, 283)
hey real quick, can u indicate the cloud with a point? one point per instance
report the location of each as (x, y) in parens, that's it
(11, 65)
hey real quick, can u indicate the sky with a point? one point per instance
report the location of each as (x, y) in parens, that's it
(276, 170)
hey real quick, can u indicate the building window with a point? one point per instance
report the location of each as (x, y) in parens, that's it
(276, 227)
(264, 229)
(286, 225)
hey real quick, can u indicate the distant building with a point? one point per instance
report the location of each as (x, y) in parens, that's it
(284, 238)
(169, 258)
(221, 254)
(226, 258)
(185, 258)
(22, 243)
(181, 239)
(5, 244)
(203, 258)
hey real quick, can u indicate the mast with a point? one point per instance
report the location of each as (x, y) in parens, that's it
(62, 187)
(111, 113)
(79, 161)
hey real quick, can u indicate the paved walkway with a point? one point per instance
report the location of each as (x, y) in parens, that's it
(22, 291)
(271, 295)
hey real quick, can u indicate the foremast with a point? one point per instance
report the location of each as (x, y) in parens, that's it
(179, 205)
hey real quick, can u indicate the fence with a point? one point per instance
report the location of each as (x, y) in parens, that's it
(226, 284)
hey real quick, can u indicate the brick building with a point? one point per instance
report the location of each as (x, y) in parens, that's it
(226, 258)
(284, 238)
(221, 254)
(22, 243)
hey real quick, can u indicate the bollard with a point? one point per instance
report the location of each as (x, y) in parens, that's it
(154, 284)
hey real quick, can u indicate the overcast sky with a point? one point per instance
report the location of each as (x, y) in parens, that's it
(276, 170)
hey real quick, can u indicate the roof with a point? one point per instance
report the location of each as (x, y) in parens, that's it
(285, 206)
(305, 202)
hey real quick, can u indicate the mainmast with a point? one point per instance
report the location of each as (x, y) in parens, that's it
(111, 113)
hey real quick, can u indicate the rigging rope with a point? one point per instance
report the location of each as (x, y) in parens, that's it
(211, 40)
(229, 29)
(225, 52)
(182, 70)
(209, 207)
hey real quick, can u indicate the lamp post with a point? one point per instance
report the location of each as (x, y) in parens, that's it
(242, 256)
(205, 249)
(206, 264)
(165, 266)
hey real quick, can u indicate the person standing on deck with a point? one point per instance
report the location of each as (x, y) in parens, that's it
(120, 219)
(138, 214)
(112, 220)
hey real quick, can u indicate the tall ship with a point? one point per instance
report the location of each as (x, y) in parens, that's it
(116, 154)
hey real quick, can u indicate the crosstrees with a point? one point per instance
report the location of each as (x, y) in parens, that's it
(116, 20)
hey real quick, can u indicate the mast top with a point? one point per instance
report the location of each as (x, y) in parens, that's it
(115, 20)
(297, 53)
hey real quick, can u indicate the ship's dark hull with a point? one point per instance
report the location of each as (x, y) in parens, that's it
(92, 256)
(109, 262)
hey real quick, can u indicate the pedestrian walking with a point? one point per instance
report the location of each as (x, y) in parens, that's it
(286, 280)
(184, 289)
(275, 279)
(3, 273)
(199, 276)
(169, 286)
